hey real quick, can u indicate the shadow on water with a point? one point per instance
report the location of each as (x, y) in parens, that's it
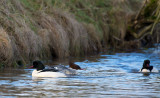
(105, 76)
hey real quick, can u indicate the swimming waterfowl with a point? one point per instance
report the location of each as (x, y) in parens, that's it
(147, 68)
(57, 71)
(74, 66)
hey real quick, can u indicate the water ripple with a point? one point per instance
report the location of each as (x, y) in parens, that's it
(105, 76)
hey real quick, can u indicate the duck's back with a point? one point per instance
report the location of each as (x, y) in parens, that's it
(65, 70)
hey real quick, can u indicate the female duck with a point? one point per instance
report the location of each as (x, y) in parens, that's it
(57, 71)
(74, 66)
(147, 68)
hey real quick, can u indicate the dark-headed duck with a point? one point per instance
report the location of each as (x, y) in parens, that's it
(57, 71)
(147, 68)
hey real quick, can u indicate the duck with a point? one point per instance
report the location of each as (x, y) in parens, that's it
(46, 71)
(74, 66)
(147, 68)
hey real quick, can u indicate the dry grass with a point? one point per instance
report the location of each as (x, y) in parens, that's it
(122, 14)
(5, 48)
(24, 42)
(39, 29)
(67, 37)
(57, 39)
(40, 35)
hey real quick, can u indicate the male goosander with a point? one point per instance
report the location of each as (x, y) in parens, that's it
(57, 71)
(147, 68)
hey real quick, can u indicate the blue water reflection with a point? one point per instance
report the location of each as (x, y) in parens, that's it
(104, 76)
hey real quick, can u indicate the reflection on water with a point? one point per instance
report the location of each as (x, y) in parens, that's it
(105, 76)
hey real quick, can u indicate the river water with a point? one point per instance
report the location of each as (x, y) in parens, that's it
(105, 75)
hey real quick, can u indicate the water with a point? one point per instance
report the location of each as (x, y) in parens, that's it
(105, 76)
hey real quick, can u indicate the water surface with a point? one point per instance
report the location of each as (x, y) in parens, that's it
(105, 76)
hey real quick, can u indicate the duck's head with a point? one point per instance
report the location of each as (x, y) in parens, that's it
(38, 65)
(146, 63)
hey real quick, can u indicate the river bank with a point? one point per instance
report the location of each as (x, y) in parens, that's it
(48, 29)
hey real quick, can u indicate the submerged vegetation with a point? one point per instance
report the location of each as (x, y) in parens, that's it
(47, 29)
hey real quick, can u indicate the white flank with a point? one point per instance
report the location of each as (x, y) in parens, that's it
(36, 73)
(154, 70)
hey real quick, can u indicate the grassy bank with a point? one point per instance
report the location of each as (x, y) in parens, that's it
(47, 29)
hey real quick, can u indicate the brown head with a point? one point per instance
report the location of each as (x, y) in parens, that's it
(74, 66)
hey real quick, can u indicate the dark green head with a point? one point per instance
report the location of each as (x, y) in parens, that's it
(146, 63)
(38, 65)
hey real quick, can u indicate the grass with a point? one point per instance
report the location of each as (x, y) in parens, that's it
(47, 29)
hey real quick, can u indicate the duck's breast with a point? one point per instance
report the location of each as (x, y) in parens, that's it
(144, 70)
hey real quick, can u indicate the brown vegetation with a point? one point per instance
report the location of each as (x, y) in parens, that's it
(26, 36)
(47, 29)
(143, 27)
